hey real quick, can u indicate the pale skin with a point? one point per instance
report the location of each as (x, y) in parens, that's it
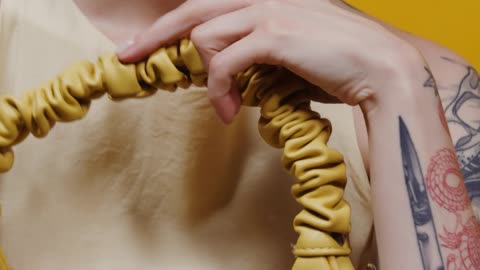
(365, 71)
(368, 66)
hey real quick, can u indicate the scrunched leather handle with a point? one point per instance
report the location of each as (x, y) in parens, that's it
(286, 122)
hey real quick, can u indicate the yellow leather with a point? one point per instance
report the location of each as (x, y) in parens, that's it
(286, 122)
(3, 263)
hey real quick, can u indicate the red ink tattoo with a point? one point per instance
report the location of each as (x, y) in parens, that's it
(472, 233)
(444, 182)
(446, 188)
(466, 245)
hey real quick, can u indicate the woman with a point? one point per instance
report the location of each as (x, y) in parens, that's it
(141, 183)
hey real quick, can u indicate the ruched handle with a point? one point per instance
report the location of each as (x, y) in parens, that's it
(286, 122)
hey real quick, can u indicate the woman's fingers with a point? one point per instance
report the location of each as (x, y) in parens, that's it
(217, 34)
(230, 36)
(177, 23)
(229, 105)
(252, 49)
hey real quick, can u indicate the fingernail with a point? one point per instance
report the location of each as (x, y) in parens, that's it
(124, 46)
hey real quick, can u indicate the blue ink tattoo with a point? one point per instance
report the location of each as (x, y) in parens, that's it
(419, 203)
(467, 98)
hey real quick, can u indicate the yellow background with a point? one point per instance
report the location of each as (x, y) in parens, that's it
(454, 24)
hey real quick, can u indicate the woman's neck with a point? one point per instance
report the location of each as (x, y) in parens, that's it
(121, 20)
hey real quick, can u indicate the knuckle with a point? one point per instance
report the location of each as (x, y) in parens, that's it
(216, 64)
(197, 36)
(276, 29)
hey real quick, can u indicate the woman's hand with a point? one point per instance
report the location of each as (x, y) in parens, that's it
(360, 63)
(346, 55)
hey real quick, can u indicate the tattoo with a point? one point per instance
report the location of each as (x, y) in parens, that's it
(430, 82)
(419, 203)
(444, 182)
(443, 120)
(445, 186)
(467, 98)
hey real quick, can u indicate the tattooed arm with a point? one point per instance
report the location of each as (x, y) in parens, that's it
(441, 193)
(414, 166)
(458, 86)
(459, 90)
(461, 106)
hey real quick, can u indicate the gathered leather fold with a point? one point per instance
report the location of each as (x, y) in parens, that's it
(286, 122)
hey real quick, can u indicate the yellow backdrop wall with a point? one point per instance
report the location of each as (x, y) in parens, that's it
(454, 24)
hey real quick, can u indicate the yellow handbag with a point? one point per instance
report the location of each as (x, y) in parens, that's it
(286, 122)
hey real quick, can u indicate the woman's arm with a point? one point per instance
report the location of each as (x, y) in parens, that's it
(458, 85)
(459, 89)
(461, 103)
(419, 198)
(361, 63)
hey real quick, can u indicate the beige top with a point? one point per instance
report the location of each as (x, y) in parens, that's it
(156, 183)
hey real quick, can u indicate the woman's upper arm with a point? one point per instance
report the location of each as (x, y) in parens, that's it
(461, 106)
(458, 85)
